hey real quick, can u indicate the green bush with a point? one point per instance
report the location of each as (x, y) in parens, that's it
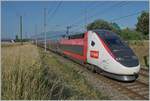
(128, 34)
(146, 60)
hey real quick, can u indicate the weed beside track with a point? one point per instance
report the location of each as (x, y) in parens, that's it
(30, 73)
(25, 76)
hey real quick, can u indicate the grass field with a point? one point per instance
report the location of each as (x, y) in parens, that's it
(29, 73)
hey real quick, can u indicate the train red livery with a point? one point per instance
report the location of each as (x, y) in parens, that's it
(102, 49)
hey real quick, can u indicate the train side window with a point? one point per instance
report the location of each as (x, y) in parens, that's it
(92, 43)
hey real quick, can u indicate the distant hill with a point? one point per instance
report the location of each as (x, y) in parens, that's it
(6, 40)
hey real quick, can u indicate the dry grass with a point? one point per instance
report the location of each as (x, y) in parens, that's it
(29, 73)
(25, 77)
(76, 85)
(9, 44)
(141, 49)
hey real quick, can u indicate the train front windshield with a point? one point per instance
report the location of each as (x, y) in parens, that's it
(111, 39)
(114, 42)
(118, 47)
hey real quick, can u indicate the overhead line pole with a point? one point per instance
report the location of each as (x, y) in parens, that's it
(36, 34)
(45, 14)
(21, 30)
(67, 32)
(85, 18)
(45, 27)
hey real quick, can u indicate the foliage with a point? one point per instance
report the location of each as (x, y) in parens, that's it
(143, 23)
(99, 24)
(115, 28)
(31, 74)
(78, 87)
(141, 32)
(146, 61)
(102, 24)
(128, 34)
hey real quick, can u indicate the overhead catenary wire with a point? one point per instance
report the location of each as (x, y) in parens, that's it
(78, 20)
(81, 14)
(87, 7)
(49, 11)
(114, 19)
(55, 10)
(103, 12)
(113, 6)
(53, 13)
(116, 5)
(100, 12)
(118, 18)
(83, 11)
(45, 19)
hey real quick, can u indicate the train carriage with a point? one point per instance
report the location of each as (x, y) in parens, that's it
(75, 46)
(102, 49)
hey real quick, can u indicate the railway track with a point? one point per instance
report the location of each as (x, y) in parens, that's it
(144, 72)
(136, 90)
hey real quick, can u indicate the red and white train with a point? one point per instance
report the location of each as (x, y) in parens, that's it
(103, 50)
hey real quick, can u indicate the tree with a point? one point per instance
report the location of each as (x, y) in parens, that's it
(130, 34)
(143, 23)
(115, 28)
(99, 24)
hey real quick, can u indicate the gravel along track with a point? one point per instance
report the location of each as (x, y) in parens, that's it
(144, 72)
(137, 90)
(144, 75)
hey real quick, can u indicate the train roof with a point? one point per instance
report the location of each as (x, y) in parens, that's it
(101, 32)
(76, 36)
(105, 33)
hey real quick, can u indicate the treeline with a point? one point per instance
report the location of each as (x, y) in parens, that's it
(139, 33)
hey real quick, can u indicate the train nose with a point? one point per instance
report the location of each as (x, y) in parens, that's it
(126, 57)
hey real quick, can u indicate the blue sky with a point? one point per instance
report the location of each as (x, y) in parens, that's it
(68, 13)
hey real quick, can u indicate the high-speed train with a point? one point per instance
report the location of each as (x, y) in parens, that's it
(103, 50)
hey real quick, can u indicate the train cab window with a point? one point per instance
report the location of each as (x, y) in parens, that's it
(92, 43)
(113, 41)
(76, 36)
